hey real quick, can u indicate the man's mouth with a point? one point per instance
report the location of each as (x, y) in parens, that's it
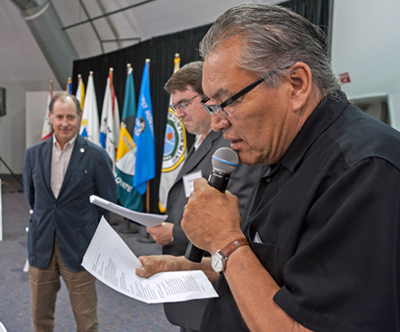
(235, 142)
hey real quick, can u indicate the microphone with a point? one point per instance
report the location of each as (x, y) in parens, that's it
(224, 162)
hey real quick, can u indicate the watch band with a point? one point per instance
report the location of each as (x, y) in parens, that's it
(231, 247)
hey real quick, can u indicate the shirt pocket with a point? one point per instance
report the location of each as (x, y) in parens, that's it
(267, 254)
(82, 182)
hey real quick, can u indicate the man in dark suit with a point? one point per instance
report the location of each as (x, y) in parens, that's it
(59, 175)
(185, 88)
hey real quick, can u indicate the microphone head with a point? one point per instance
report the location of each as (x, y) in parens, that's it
(224, 160)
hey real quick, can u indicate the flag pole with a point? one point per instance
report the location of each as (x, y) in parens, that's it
(169, 169)
(128, 229)
(69, 84)
(111, 74)
(148, 184)
(148, 238)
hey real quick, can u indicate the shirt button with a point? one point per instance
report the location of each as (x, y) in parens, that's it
(268, 180)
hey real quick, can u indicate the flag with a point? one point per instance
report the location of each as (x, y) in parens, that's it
(109, 127)
(80, 92)
(47, 129)
(175, 147)
(145, 169)
(90, 117)
(126, 153)
(69, 86)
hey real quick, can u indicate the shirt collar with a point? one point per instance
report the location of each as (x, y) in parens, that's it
(198, 142)
(71, 142)
(321, 118)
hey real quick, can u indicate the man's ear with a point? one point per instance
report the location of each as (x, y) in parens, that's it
(49, 115)
(302, 84)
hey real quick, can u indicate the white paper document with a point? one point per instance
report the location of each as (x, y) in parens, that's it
(188, 181)
(110, 260)
(145, 219)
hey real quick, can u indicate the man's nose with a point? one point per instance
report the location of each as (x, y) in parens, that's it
(180, 113)
(64, 122)
(218, 123)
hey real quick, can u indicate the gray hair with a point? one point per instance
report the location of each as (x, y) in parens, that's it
(63, 97)
(273, 38)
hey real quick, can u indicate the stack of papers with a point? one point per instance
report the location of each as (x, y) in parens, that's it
(111, 261)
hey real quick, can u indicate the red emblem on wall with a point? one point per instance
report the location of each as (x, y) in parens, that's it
(344, 78)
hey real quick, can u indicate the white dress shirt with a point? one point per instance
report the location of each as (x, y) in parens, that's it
(59, 163)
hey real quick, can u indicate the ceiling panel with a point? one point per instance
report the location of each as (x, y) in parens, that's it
(21, 57)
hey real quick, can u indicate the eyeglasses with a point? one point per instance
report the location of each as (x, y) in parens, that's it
(183, 104)
(219, 109)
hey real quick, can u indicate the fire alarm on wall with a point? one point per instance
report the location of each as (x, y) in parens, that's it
(344, 78)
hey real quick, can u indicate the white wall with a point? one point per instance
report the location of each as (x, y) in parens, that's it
(13, 125)
(32, 74)
(35, 111)
(36, 103)
(366, 44)
(12, 129)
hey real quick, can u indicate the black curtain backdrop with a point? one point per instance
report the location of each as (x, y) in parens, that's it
(161, 52)
(316, 11)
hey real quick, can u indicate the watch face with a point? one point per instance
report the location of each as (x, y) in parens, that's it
(216, 263)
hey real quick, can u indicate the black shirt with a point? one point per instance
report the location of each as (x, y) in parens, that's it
(327, 216)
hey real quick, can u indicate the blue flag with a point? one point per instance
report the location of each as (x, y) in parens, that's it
(126, 153)
(145, 167)
(69, 86)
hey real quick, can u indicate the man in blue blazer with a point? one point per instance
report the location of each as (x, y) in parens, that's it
(185, 87)
(60, 174)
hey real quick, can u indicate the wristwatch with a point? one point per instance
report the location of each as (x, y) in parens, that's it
(218, 259)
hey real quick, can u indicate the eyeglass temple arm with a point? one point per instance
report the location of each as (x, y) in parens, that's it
(241, 93)
(250, 87)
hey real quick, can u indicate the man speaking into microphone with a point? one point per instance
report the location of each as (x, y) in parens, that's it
(317, 247)
(185, 88)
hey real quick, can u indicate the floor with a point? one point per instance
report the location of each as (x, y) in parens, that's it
(116, 311)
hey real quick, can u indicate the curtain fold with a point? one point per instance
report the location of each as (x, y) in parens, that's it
(316, 11)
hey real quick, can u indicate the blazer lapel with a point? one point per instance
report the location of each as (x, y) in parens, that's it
(46, 155)
(199, 154)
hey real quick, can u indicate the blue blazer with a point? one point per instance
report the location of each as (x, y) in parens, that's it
(71, 217)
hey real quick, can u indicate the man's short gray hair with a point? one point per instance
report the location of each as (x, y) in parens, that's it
(274, 37)
(63, 97)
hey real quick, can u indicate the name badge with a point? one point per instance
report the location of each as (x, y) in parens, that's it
(188, 180)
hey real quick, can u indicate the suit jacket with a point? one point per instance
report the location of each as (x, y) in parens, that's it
(71, 217)
(189, 314)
